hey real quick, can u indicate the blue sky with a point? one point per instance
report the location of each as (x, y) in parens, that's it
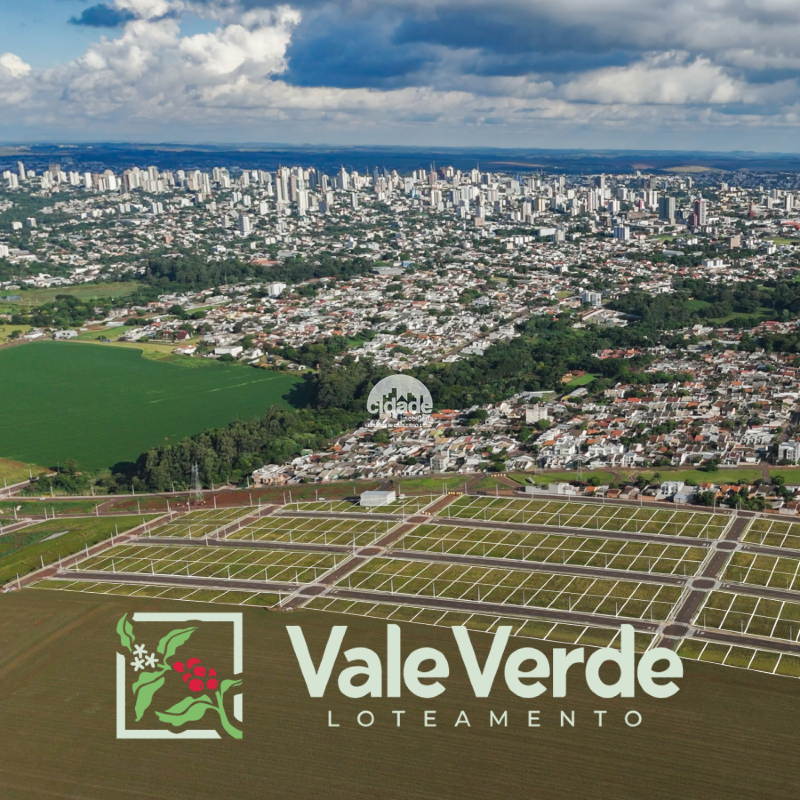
(699, 74)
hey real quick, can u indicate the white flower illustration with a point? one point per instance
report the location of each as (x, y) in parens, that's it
(137, 664)
(140, 650)
(151, 660)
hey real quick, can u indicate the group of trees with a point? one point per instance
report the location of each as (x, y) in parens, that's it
(66, 311)
(189, 271)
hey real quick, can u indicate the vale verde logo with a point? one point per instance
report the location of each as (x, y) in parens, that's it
(526, 672)
(208, 687)
(399, 395)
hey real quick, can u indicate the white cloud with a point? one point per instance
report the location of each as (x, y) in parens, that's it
(13, 65)
(231, 82)
(661, 79)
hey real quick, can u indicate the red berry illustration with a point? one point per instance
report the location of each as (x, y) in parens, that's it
(212, 684)
(196, 685)
(191, 662)
(178, 666)
(212, 672)
(187, 676)
(199, 671)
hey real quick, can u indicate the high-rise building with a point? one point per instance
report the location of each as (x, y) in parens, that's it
(700, 211)
(666, 209)
(21, 170)
(245, 227)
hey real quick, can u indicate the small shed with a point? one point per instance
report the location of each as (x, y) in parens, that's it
(377, 498)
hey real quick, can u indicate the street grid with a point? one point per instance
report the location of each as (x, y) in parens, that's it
(554, 547)
(314, 530)
(411, 557)
(205, 562)
(757, 616)
(774, 533)
(203, 522)
(403, 505)
(742, 657)
(595, 516)
(535, 629)
(254, 598)
(776, 571)
(516, 588)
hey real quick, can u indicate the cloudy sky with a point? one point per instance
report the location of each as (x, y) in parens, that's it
(650, 74)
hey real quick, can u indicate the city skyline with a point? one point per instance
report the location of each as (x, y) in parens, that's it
(674, 77)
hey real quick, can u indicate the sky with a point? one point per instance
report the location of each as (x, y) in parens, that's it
(594, 74)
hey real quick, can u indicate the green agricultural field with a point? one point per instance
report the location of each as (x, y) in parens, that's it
(100, 405)
(728, 734)
(26, 549)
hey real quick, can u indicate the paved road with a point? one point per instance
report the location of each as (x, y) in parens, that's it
(309, 592)
(590, 533)
(379, 549)
(686, 610)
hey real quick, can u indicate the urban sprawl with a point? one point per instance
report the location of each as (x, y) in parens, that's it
(459, 262)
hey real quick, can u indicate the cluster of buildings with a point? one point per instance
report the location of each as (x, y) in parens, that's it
(458, 260)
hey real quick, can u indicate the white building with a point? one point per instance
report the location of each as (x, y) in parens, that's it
(538, 412)
(377, 498)
(789, 451)
(439, 462)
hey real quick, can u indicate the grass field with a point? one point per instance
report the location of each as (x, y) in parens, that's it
(555, 548)
(583, 380)
(406, 505)
(202, 522)
(15, 471)
(6, 330)
(757, 616)
(100, 405)
(544, 630)
(760, 570)
(517, 588)
(20, 507)
(84, 291)
(743, 657)
(727, 735)
(211, 562)
(312, 530)
(774, 533)
(27, 549)
(597, 516)
(127, 589)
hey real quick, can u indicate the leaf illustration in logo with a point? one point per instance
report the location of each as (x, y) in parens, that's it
(147, 684)
(225, 685)
(190, 709)
(173, 640)
(125, 631)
